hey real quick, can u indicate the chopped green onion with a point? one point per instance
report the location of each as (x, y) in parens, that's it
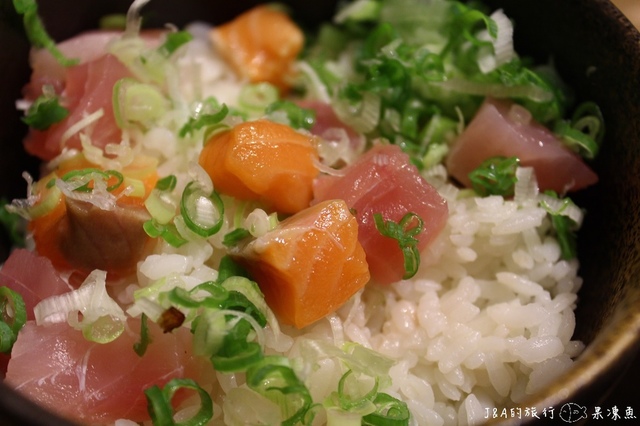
(389, 412)
(202, 213)
(585, 132)
(229, 268)
(213, 121)
(167, 183)
(209, 330)
(13, 223)
(299, 118)
(234, 237)
(44, 112)
(161, 410)
(495, 176)
(252, 300)
(104, 329)
(593, 120)
(564, 226)
(274, 378)
(13, 316)
(174, 41)
(167, 232)
(36, 31)
(140, 347)
(89, 309)
(236, 358)
(90, 174)
(137, 103)
(352, 400)
(255, 98)
(404, 232)
(161, 210)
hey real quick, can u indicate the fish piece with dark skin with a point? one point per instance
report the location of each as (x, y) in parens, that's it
(111, 240)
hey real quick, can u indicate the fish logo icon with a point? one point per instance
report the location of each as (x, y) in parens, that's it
(572, 412)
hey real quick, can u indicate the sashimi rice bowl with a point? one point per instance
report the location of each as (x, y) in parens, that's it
(373, 220)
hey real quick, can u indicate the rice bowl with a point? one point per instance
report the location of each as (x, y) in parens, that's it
(495, 263)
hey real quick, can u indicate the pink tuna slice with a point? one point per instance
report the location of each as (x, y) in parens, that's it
(33, 276)
(84, 48)
(84, 89)
(94, 383)
(89, 88)
(500, 130)
(384, 181)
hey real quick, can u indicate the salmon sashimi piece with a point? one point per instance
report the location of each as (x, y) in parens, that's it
(384, 181)
(261, 44)
(93, 383)
(498, 130)
(310, 265)
(265, 161)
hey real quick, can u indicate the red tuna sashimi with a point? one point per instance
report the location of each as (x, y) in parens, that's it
(384, 181)
(84, 48)
(88, 89)
(94, 383)
(498, 129)
(33, 276)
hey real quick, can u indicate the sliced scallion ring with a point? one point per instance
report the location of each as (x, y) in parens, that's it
(161, 411)
(389, 412)
(203, 213)
(135, 102)
(13, 316)
(89, 174)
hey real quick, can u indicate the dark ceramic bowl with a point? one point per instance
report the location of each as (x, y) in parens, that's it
(596, 50)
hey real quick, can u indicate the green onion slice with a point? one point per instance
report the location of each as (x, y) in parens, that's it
(229, 268)
(274, 378)
(140, 347)
(90, 174)
(174, 41)
(239, 360)
(44, 112)
(161, 411)
(13, 316)
(405, 233)
(203, 213)
(389, 412)
(212, 121)
(356, 403)
(36, 31)
(585, 132)
(234, 237)
(495, 176)
(299, 118)
(563, 224)
(13, 223)
(167, 183)
(168, 232)
(137, 103)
